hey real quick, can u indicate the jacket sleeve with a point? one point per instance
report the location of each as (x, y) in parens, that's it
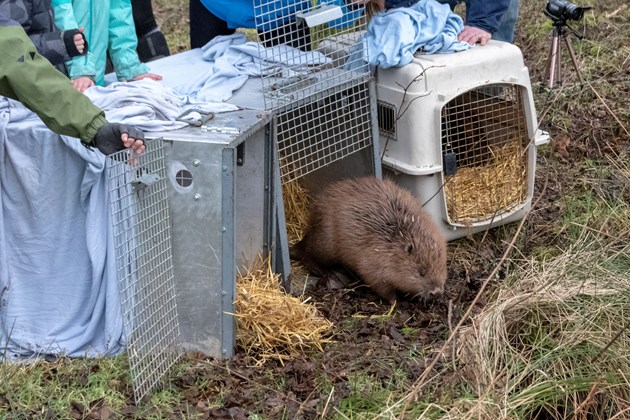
(84, 65)
(486, 14)
(123, 41)
(31, 79)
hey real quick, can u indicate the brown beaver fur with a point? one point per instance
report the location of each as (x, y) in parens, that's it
(379, 231)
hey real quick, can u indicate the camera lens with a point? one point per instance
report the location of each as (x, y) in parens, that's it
(563, 10)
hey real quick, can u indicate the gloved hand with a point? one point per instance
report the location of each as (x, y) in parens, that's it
(108, 138)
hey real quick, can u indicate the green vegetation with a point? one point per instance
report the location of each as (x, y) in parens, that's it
(548, 339)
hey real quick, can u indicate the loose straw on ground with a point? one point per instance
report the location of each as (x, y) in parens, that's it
(272, 324)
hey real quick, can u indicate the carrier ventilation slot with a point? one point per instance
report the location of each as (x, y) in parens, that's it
(387, 120)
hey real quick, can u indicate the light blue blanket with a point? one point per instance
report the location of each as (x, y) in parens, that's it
(235, 60)
(394, 37)
(58, 283)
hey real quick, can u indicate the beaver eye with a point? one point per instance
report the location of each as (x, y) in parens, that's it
(408, 248)
(422, 272)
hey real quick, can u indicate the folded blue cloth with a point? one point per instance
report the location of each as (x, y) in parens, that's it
(393, 37)
(235, 60)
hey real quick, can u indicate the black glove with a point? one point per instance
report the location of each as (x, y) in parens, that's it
(107, 138)
(68, 40)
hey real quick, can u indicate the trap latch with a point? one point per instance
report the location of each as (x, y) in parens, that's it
(143, 181)
(195, 117)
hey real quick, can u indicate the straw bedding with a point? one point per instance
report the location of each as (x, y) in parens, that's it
(482, 192)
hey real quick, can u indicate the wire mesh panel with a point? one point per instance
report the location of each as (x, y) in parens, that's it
(323, 131)
(290, 32)
(484, 145)
(140, 218)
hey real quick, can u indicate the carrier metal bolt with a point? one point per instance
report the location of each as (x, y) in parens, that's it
(197, 197)
(196, 162)
(223, 229)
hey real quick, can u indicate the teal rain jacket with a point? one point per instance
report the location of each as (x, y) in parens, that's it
(108, 27)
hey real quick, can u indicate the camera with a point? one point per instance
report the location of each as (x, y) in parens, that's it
(563, 10)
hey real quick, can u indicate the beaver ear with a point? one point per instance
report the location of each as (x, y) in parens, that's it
(408, 247)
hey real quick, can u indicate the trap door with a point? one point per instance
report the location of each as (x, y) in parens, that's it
(144, 263)
(324, 104)
(485, 147)
(292, 66)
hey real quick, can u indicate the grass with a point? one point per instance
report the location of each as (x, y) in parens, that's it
(28, 390)
(552, 340)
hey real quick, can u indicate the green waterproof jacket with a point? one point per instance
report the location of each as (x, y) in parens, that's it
(31, 79)
(108, 28)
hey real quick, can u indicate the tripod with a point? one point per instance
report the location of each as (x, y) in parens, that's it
(553, 72)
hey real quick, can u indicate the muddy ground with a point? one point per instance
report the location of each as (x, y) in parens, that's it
(399, 347)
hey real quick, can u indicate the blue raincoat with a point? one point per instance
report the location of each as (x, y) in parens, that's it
(268, 14)
(108, 26)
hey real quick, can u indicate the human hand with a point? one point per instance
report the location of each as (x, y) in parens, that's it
(114, 137)
(82, 83)
(133, 143)
(79, 42)
(474, 35)
(147, 76)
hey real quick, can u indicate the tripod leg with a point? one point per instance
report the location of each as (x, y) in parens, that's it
(559, 64)
(573, 59)
(553, 59)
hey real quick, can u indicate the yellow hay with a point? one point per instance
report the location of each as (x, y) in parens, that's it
(483, 192)
(296, 204)
(272, 324)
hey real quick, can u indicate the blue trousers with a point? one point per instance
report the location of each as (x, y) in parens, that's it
(507, 26)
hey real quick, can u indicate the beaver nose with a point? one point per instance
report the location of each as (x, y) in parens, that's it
(436, 291)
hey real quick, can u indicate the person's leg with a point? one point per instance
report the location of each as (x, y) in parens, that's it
(151, 41)
(507, 27)
(204, 25)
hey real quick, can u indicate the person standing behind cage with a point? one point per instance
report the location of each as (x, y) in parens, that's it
(29, 78)
(152, 44)
(108, 28)
(36, 18)
(273, 19)
(485, 20)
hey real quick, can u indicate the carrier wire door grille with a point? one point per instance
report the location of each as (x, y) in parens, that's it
(323, 131)
(140, 218)
(484, 145)
(289, 34)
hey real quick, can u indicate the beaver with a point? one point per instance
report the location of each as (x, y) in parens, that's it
(380, 232)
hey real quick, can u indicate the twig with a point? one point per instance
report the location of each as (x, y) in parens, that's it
(623, 127)
(427, 371)
(327, 402)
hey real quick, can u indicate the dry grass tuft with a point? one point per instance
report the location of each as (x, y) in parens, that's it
(272, 324)
(479, 192)
(554, 343)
